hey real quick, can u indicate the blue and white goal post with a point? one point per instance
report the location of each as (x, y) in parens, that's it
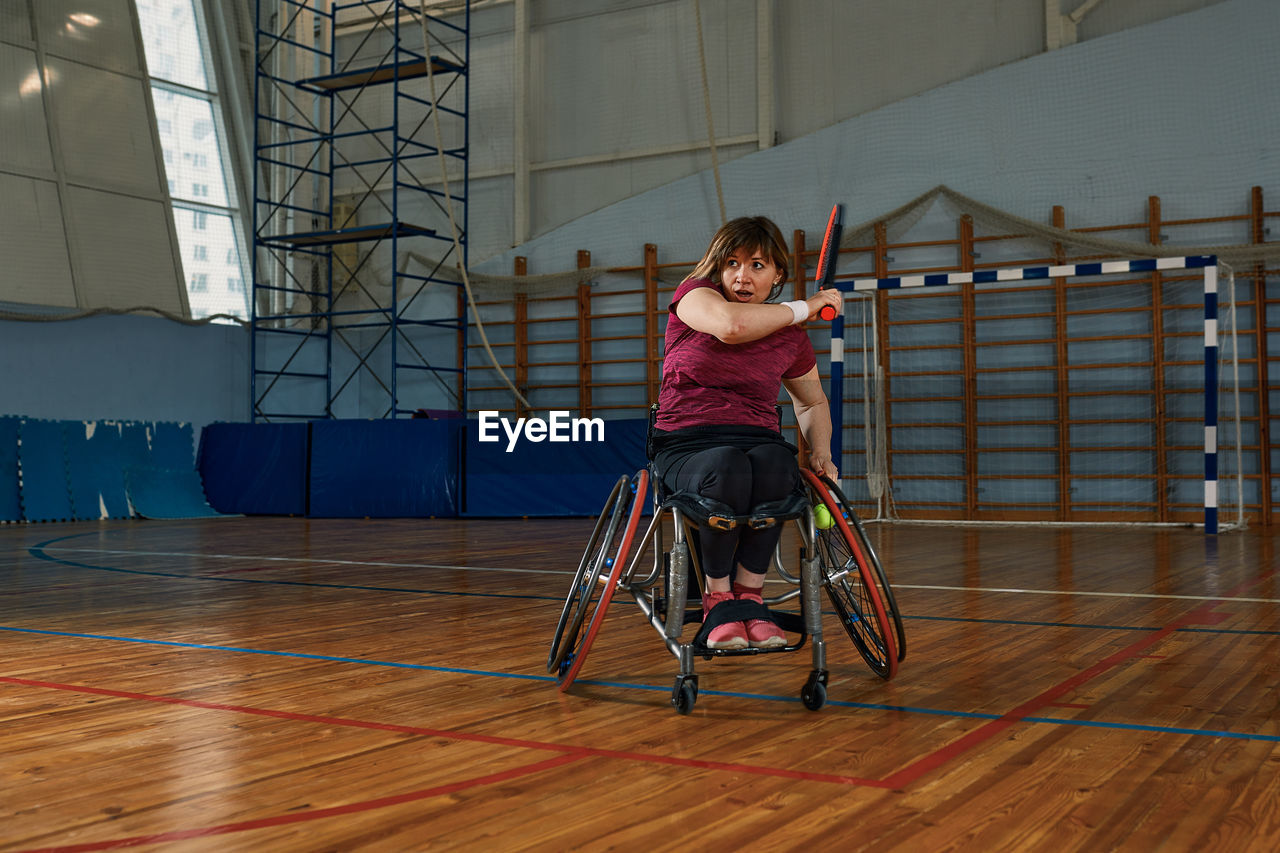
(1207, 263)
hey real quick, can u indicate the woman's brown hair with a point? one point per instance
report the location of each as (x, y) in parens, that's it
(746, 232)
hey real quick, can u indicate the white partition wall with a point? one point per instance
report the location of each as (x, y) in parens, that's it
(86, 222)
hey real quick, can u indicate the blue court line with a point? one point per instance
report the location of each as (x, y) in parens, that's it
(1036, 624)
(634, 686)
(1031, 623)
(302, 655)
(1164, 730)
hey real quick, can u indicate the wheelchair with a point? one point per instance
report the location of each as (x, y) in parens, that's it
(835, 556)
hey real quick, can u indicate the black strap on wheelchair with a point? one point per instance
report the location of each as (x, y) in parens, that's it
(736, 610)
(704, 511)
(770, 513)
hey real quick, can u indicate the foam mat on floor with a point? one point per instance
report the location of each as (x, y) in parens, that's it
(167, 493)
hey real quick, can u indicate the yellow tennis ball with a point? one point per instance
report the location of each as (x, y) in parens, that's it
(822, 517)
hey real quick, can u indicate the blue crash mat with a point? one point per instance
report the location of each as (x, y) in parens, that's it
(10, 495)
(42, 465)
(95, 469)
(167, 493)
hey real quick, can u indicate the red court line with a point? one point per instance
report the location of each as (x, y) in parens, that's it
(1200, 615)
(451, 734)
(312, 814)
(939, 757)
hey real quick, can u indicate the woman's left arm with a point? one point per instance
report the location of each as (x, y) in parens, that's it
(813, 415)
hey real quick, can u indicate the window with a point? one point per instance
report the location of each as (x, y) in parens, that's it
(196, 154)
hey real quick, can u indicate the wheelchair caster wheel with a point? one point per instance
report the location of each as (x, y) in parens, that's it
(814, 692)
(684, 694)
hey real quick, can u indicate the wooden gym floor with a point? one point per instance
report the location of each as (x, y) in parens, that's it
(301, 684)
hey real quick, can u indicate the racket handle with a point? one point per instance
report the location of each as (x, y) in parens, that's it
(827, 312)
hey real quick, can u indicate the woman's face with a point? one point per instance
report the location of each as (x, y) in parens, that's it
(748, 276)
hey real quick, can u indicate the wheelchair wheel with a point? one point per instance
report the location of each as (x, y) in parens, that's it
(854, 587)
(882, 579)
(597, 577)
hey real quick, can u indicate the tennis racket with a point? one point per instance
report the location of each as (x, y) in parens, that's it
(827, 258)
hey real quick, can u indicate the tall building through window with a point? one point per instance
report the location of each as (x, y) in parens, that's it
(189, 124)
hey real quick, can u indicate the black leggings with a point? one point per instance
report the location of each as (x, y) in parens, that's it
(741, 479)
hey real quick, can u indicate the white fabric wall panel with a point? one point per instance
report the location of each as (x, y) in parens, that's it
(630, 79)
(24, 137)
(1182, 108)
(103, 127)
(35, 268)
(568, 193)
(847, 58)
(95, 32)
(85, 224)
(492, 111)
(490, 199)
(124, 255)
(1115, 15)
(620, 81)
(15, 22)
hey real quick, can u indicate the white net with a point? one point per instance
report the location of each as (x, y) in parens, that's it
(1075, 400)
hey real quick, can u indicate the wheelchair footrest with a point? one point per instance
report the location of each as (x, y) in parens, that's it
(741, 611)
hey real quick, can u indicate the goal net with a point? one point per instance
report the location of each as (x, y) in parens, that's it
(1076, 393)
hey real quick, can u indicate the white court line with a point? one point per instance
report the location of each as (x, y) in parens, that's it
(896, 586)
(306, 560)
(1086, 592)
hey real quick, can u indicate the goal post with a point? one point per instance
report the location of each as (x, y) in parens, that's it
(1086, 415)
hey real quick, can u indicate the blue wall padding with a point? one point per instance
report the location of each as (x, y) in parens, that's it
(10, 495)
(157, 492)
(550, 479)
(172, 445)
(95, 469)
(384, 468)
(255, 469)
(42, 461)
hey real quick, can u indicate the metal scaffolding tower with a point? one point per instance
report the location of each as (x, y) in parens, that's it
(360, 208)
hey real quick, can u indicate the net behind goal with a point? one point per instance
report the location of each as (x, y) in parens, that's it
(1090, 392)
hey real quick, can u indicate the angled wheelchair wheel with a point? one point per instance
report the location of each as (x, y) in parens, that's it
(594, 583)
(853, 585)
(882, 579)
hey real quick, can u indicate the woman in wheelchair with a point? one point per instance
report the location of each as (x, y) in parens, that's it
(729, 350)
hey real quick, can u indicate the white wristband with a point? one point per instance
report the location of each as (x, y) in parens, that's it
(800, 309)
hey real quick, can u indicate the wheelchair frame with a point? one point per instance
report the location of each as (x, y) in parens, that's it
(838, 558)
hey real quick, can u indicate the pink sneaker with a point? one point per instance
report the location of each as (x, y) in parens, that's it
(761, 633)
(731, 635)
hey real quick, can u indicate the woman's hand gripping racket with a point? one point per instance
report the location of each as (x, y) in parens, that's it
(826, 271)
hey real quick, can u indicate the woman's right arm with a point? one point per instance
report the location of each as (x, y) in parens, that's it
(706, 310)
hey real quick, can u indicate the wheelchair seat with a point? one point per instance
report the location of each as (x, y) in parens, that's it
(708, 512)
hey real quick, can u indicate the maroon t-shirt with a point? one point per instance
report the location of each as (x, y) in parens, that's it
(706, 381)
